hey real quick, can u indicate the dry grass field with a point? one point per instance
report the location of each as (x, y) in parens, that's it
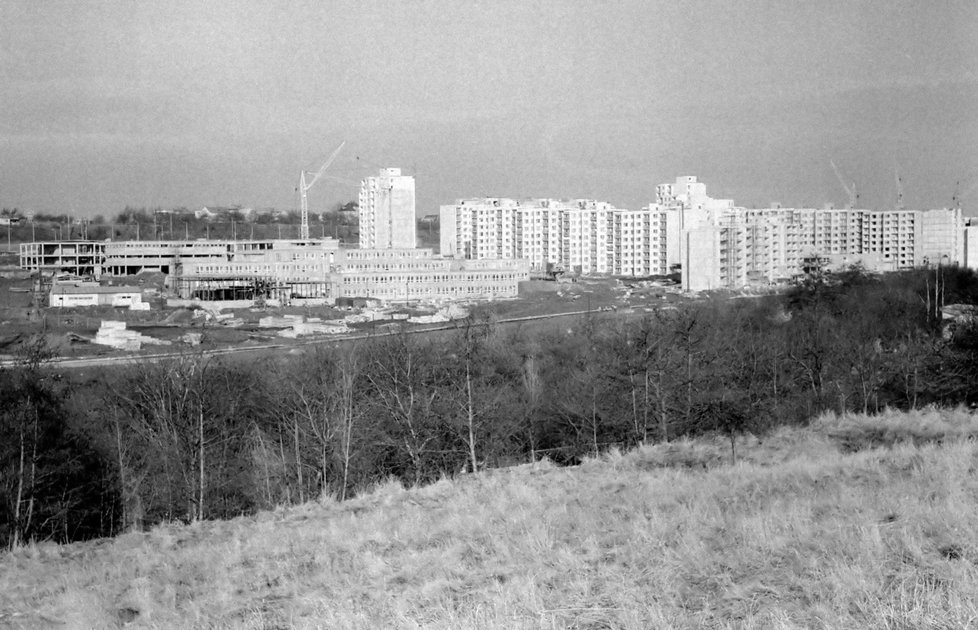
(851, 523)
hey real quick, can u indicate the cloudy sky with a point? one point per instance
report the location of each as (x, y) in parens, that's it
(168, 103)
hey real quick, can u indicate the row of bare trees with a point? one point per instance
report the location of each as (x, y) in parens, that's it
(200, 438)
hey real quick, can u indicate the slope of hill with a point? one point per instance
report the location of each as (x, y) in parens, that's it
(855, 522)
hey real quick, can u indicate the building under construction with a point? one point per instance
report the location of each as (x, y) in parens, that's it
(289, 270)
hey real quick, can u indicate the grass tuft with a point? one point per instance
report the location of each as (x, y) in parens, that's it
(804, 531)
(932, 425)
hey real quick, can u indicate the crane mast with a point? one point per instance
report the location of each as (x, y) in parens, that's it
(852, 192)
(304, 187)
(899, 188)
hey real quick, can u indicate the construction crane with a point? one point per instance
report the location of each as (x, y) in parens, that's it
(958, 196)
(851, 191)
(304, 187)
(899, 188)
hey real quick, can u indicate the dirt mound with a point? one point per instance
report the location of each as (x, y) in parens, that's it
(179, 316)
(9, 343)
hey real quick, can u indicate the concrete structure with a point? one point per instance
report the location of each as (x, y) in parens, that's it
(283, 269)
(67, 295)
(386, 211)
(79, 258)
(293, 270)
(126, 258)
(116, 335)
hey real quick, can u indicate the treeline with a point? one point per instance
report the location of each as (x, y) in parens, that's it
(150, 224)
(144, 223)
(202, 438)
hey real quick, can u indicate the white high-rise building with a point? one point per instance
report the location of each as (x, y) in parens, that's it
(387, 219)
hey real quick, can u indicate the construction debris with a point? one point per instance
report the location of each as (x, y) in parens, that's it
(191, 338)
(313, 328)
(114, 334)
(447, 314)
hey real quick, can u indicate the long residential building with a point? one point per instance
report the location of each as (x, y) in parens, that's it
(766, 246)
(715, 243)
(580, 236)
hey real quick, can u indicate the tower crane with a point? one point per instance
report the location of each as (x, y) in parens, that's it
(851, 191)
(958, 196)
(899, 188)
(304, 187)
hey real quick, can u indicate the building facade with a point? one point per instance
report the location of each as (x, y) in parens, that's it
(716, 244)
(387, 219)
(329, 272)
(580, 236)
(765, 246)
(79, 258)
(68, 295)
(970, 244)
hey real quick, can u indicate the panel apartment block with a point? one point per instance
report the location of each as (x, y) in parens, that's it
(581, 236)
(763, 246)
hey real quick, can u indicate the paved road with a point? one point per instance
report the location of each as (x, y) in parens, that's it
(88, 362)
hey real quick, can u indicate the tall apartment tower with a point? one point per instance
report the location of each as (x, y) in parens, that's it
(387, 211)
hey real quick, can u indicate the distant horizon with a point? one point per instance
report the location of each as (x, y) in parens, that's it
(114, 103)
(419, 213)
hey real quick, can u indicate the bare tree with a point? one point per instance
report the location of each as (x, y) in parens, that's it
(400, 374)
(349, 412)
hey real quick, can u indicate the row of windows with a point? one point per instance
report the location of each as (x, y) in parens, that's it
(456, 290)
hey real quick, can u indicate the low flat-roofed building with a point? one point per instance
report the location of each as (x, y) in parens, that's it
(406, 279)
(67, 295)
(399, 275)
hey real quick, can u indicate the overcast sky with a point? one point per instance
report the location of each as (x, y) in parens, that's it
(167, 103)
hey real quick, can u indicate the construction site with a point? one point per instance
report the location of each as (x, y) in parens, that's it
(130, 295)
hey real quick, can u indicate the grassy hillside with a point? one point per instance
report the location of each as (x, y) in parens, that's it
(856, 522)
